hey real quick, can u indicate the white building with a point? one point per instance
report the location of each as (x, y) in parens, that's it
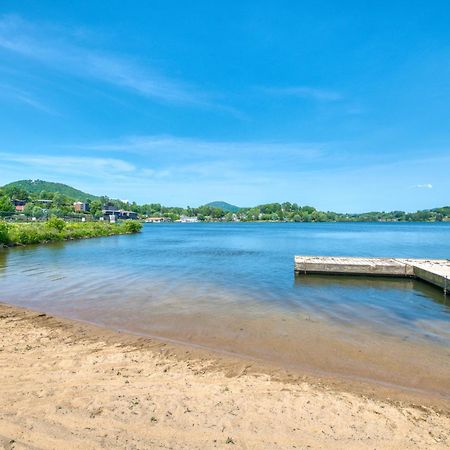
(187, 219)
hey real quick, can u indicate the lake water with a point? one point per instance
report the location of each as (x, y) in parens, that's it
(231, 287)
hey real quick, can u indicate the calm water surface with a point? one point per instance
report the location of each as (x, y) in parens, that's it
(222, 283)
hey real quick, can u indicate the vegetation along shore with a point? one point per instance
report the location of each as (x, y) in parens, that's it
(56, 229)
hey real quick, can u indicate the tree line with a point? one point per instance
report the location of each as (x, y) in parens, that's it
(60, 205)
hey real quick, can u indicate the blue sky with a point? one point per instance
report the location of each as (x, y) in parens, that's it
(341, 105)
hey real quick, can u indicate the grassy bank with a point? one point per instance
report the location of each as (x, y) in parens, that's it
(57, 230)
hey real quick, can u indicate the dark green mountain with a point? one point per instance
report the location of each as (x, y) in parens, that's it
(224, 206)
(37, 186)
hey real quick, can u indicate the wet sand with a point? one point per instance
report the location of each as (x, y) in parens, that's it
(310, 345)
(66, 384)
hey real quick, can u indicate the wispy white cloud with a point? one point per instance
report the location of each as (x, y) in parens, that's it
(87, 166)
(186, 146)
(60, 49)
(424, 186)
(24, 97)
(158, 163)
(307, 92)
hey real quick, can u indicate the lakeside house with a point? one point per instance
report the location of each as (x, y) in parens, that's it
(19, 205)
(155, 219)
(187, 219)
(111, 212)
(81, 207)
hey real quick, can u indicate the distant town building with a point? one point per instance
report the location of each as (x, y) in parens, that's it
(118, 214)
(110, 208)
(127, 214)
(187, 219)
(80, 206)
(19, 205)
(155, 219)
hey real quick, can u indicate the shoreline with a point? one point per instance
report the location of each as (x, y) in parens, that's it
(232, 362)
(48, 362)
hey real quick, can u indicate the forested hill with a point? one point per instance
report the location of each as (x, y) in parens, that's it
(224, 206)
(38, 186)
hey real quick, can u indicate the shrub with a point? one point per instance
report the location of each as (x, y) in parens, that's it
(56, 229)
(4, 233)
(132, 227)
(56, 223)
(25, 234)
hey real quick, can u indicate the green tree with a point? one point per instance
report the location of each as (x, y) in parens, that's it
(28, 210)
(56, 223)
(58, 212)
(6, 205)
(37, 212)
(17, 193)
(59, 200)
(286, 206)
(96, 207)
(308, 209)
(44, 195)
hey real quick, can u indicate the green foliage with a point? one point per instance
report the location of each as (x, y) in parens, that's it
(4, 233)
(51, 231)
(56, 223)
(37, 212)
(96, 207)
(44, 188)
(132, 226)
(28, 210)
(59, 200)
(59, 212)
(16, 192)
(6, 205)
(27, 233)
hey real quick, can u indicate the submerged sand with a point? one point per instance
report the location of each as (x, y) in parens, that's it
(65, 384)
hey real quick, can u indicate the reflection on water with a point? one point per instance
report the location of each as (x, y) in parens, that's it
(384, 304)
(3, 257)
(416, 287)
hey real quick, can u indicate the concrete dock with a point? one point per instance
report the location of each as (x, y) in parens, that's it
(434, 271)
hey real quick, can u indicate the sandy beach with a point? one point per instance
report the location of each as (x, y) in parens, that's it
(66, 384)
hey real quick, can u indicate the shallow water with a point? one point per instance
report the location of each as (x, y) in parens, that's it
(232, 286)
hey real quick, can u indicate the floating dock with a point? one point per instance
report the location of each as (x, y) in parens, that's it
(434, 271)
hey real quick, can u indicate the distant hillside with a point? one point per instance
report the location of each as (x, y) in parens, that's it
(37, 186)
(224, 206)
